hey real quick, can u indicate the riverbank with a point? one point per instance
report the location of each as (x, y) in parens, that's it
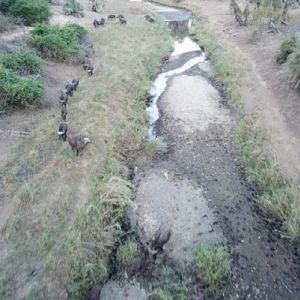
(44, 252)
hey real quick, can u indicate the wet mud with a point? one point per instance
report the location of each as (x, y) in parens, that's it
(198, 186)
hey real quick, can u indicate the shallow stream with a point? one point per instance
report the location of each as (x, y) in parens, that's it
(194, 57)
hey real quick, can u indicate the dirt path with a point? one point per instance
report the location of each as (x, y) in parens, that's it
(12, 35)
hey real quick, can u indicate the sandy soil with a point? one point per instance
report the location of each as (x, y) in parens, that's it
(164, 202)
(185, 94)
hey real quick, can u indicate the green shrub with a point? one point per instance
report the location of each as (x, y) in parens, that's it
(286, 48)
(18, 91)
(5, 5)
(126, 253)
(294, 64)
(31, 11)
(212, 265)
(57, 42)
(24, 62)
(172, 286)
(72, 8)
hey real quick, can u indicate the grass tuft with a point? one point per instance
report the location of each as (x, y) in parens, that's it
(154, 146)
(25, 197)
(274, 192)
(127, 253)
(172, 287)
(212, 265)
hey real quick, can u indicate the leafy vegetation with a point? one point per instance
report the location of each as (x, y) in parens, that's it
(57, 42)
(24, 62)
(155, 145)
(287, 47)
(18, 91)
(73, 8)
(127, 253)
(172, 287)
(274, 192)
(294, 64)
(93, 238)
(5, 5)
(212, 266)
(30, 11)
(290, 51)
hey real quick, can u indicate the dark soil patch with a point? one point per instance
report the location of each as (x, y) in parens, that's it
(266, 265)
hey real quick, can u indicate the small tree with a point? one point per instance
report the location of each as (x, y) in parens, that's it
(31, 11)
(240, 16)
(73, 8)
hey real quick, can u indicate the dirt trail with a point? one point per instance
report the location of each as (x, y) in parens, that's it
(12, 35)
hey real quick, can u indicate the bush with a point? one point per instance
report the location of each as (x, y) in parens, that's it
(172, 286)
(286, 48)
(18, 91)
(24, 62)
(295, 67)
(73, 8)
(212, 265)
(31, 11)
(56, 42)
(126, 253)
(5, 5)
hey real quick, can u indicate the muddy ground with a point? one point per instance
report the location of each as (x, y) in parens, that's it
(198, 189)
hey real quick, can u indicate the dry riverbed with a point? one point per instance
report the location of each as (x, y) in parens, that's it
(197, 189)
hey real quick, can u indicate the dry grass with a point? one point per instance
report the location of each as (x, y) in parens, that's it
(213, 266)
(274, 192)
(83, 199)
